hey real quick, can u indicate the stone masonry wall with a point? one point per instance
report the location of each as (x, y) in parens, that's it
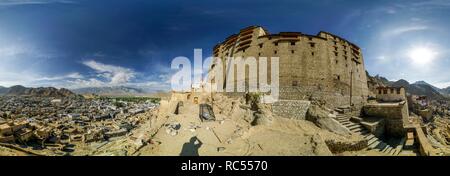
(293, 109)
(394, 117)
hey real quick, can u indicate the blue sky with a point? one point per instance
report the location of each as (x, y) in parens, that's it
(83, 43)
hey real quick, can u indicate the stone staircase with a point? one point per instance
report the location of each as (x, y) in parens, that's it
(374, 142)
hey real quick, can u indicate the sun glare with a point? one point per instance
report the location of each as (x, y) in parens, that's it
(422, 55)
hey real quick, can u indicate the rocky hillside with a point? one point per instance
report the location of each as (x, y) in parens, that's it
(376, 81)
(39, 92)
(119, 90)
(3, 90)
(417, 88)
(446, 91)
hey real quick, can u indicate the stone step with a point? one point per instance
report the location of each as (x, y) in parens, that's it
(397, 151)
(384, 148)
(381, 146)
(388, 150)
(375, 144)
(346, 123)
(363, 132)
(354, 126)
(371, 141)
(343, 120)
(356, 130)
(393, 151)
(369, 137)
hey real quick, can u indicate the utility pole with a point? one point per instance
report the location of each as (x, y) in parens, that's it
(351, 85)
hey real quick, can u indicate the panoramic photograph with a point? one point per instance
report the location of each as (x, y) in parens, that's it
(225, 78)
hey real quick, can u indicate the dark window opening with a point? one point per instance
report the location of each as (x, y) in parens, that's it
(336, 54)
(338, 77)
(276, 43)
(310, 38)
(259, 54)
(292, 43)
(312, 53)
(260, 45)
(392, 90)
(398, 91)
(337, 61)
(384, 91)
(379, 91)
(292, 51)
(294, 83)
(275, 52)
(312, 45)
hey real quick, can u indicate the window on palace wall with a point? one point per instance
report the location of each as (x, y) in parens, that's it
(260, 45)
(312, 45)
(294, 83)
(384, 91)
(292, 43)
(276, 43)
(398, 91)
(379, 91)
(312, 53)
(275, 52)
(292, 51)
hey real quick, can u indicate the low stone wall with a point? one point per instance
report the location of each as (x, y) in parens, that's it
(329, 99)
(293, 109)
(339, 146)
(425, 147)
(394, 114)
(376, 127)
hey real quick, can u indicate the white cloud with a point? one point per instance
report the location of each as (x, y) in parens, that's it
(404, 29)
(115, 74)
(442, 84)
(74, 75)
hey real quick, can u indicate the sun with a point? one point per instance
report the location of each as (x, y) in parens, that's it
(422, 55)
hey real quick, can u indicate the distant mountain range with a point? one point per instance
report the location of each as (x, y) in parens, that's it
(417, 88)
(117, 90)
(3, 90)
(39, 92)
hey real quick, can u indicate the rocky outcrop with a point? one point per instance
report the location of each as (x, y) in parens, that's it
(420, 88)
(324, 120)
(3, 90)
(39, 92)
(117, 90)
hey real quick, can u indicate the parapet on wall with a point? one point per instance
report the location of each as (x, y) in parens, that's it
(391, 94)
